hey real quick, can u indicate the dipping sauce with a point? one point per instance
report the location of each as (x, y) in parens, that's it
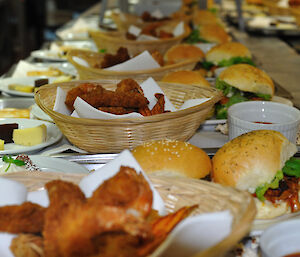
(293, 255)
(262, 122)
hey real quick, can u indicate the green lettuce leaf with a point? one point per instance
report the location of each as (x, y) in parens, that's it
(207, 65)
(292, 167)
(235, 60)
(261, 190)
(195, 37)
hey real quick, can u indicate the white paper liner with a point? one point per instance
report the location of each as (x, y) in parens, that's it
(150, 88)
(143, 61)
(179, 29)
(157, 14)
(134, 30)
(205, 47)
(12, 192)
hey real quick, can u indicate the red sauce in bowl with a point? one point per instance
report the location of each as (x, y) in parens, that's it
(262, 122)
(293, 255)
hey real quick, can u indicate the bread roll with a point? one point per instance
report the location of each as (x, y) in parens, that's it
(203, 17)
(186, 77)
(227, 51)
(183, 52)
(248, 78)
(174, 158)
(214, 33)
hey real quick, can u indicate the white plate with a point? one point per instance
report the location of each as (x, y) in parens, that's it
(53, 135)
(48, 55)
(51, 164)
(26, 81)
(39, 114)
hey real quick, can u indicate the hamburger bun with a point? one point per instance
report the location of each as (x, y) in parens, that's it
(183, 52)
(227, 51)
(248, 78)
(186, 77)
(203, 17)
(173, 158)
(252, 160)
(214, 33)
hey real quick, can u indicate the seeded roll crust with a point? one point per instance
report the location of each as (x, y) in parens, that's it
(227, 51)
(202, 17)
(247, 78)
(214, 33)
(186, 77)
(173, 158)
(183, 52)
(252, 160)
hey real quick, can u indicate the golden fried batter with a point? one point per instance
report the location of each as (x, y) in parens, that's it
(25, 218)
(28, 245)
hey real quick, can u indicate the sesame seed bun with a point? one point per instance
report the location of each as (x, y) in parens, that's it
(227, 51)
(202, 17)
(251, 160)
(174, 158)
(186, 77)
(183, 52)
(248, 78)
(214, 33)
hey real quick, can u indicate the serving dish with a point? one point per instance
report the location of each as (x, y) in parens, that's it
(93, 58)
(177, 193)
(111, 41)
(98, 135)
(53, 136)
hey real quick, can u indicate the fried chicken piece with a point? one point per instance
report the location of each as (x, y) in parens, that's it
(158, 57)
(107, 98)
(129, 85)
(117, 110)
(126, 189)
(159, 107)
(28, 245)
(25, 218)
(163, 34)
(145, 111)
(62, 196)
(150, 29)
(130, 36)
(79, 91)
(111, 60)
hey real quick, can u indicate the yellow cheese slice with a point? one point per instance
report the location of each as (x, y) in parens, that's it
(1, 144)
(30, 136)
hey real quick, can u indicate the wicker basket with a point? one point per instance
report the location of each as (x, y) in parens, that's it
(274, 9)
(108, 136)
(124, 20)
(112, 41)
(93, 58)
(296, 13)
(176, 193)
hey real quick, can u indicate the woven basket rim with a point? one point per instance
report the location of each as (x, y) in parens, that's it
(141, 120)
(73, 53)
(112, 37)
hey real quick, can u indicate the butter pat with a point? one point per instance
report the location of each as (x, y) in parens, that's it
(1, 144)
(30, 136)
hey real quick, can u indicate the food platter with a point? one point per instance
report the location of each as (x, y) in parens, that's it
(21, 81)
(53, 136)
(39, 114)
(48, 55)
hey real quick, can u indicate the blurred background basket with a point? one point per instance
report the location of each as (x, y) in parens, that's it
(274, 9)
(177, 193)
(108, 136)
(124, 20)
(94, 58)
(112, 41)
(296, 13)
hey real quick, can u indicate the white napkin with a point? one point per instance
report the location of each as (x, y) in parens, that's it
(59, 105)
(143, 61)
(12, 192)
(134, 30)
(179, 29)
(205, 47)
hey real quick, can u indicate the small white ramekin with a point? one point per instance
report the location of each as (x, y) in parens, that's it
(281, 239)
(243, 117)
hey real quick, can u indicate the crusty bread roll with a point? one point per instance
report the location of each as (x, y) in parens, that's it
(174, 158)
(227, 51)
(214, 33)
(183, 52)
(186, 77)
(251, 160)
(203, 17)
(248, 78)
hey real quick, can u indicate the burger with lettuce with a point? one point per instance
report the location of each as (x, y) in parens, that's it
(262, 163)
(240, 83)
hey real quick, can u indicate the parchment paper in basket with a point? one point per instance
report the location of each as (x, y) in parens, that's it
(195, 234)
(12, 192)
(205, 47)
